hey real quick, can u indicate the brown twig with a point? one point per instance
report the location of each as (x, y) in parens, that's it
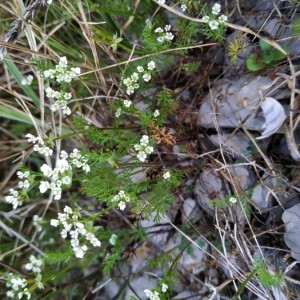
(11, 35)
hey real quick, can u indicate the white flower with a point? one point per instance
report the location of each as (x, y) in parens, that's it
(141, 156)
(22, 175)
(168, 27)
(49, 2)
(76, 70)
(63, 154)
(127, 81)
(205, 19)
(183, 7)
(121, 205)
(62, 165)
(137, 147)
(113, 239)
(151, 65)
(79, 252)
(34, 264)
(118, 112)
(37, 222)
(144, 140)
(232, 200)
(44, 150)
(161, 39)
(149, 149)
(95, 242)
(156, 113)
(164, 287)
(223, 19)
(13, 198)
(86, 168)
(63, 62)
(216, 9)
(134, 77)
(130, 90)
(24, 184)
(146, 77)
(49, 92)
(161, 1)
(166, 175)
(57, 193)
(31, 138)
(66, 180)
(54, 222)
(147, 293)
(158, 30)
(66, 110)
(140, 69)
(46, 170)
(68, 210)
(169, 36)
(27, 80)
(213, 24)
(127, 103)
(44, 186)
(152, 295)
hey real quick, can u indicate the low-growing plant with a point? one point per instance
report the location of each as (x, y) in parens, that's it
(265, 57)
(97, 153)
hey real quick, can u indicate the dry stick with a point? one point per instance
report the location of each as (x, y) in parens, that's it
(238, 273)
(230, 179)
(233, 26)
(267, 161)
(11, 232)
(146, 56)
(11, 35)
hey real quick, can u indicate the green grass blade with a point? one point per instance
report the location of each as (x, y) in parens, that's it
(9, 112)
(14, 71)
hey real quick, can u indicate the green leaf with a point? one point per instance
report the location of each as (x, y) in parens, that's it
(253, 64)
(14, 71)
(277, 55)
(264, 46)
(268, 58)
(9, 112)
(296, 27)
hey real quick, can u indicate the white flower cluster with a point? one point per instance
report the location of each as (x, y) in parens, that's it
(113, 239)
(213, 21)
(62, 73)
(156, 113)
(131, 82)
(27, 80)
(61, 175)
(152, 295)
(121, 198)
(143, 148)
(37, 222)
(183, 7)
(167, 175)
(14, 196)
(61, 102)
(76, 230)
(164, 34)
(34, 265)
(155, 295)
(39, 145)
(18, 287)
(232, 200)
